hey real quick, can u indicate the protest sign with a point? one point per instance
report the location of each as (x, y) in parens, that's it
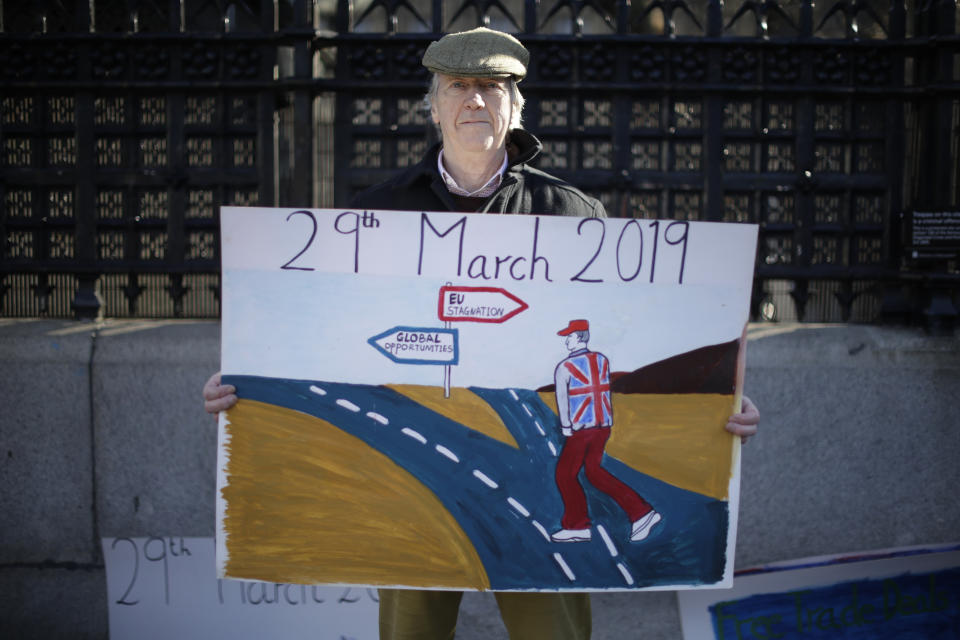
(419, 390)
(892, 594)
(167, 587)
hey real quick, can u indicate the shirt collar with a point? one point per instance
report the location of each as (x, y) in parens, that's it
(484, 191)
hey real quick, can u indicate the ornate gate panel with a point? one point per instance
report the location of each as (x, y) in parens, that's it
(803, 119)
(124, 125)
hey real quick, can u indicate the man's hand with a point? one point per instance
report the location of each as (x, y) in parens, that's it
(218, 397)
(745, 423)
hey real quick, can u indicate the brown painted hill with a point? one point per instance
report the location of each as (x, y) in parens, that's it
(711, 369)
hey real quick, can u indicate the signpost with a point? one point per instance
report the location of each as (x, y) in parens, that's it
(475, 304)
(478, 304)
(426, 345)
(418, 345)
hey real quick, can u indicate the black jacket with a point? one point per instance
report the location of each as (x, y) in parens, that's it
(523, 190)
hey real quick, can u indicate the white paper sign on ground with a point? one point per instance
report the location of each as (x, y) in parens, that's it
(166, 587)
(897, 594)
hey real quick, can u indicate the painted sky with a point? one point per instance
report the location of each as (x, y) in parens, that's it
(320, 320)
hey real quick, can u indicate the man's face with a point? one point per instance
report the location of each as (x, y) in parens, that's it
(572, 342)
(473, 113)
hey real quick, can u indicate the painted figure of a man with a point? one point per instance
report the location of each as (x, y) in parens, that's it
(586, 415)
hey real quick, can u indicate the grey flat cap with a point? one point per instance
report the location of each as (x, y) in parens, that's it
(478, 53)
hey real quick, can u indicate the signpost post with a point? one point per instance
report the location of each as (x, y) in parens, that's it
(475, 304)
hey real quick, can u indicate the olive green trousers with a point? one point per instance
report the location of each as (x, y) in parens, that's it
(432, 615)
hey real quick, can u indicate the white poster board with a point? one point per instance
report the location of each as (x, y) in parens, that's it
(896, 594)
(166, 587)
(401, 369)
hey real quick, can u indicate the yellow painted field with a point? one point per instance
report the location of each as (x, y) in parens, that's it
(297, 483)
(678, 438)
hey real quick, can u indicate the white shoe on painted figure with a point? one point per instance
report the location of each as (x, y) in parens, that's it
(571, 535)
(642, 527)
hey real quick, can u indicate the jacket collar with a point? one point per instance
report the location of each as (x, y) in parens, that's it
(522, 147)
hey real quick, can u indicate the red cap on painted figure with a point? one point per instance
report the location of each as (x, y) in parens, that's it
(575, 325)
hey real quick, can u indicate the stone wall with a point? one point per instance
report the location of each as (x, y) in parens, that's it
(103, 435)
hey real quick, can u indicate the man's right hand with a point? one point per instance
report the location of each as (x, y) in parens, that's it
(218, 397)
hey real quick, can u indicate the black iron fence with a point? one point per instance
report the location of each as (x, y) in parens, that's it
(124, 125)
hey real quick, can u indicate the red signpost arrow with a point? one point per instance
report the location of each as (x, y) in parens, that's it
(478, 304)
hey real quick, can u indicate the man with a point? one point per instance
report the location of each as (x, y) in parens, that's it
(481, 163)
(479, 166)
(582, 382)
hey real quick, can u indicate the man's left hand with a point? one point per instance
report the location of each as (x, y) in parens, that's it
(747, 422)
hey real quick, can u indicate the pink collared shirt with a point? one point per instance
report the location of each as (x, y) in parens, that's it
(484, 191)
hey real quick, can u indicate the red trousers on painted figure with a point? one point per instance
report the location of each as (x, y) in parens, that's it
(584, 449)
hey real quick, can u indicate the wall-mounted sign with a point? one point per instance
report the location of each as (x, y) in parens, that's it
(934, 234)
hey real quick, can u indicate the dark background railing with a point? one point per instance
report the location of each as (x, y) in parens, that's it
(124, 125)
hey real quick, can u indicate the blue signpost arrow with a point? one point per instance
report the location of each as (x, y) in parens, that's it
(418, 345)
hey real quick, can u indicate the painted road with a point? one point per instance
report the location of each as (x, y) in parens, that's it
(505, 498)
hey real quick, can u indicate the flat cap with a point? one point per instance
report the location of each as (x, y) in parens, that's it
(574, 325)
(478, 53)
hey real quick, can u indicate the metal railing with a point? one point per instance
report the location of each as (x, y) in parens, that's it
(124, 125)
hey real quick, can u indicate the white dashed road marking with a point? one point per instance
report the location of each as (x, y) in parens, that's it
(485, 479)
(626, 574)
(563, 565)
(541, 529)
(514, 394)
(540, 429)
(606, 539)
(527, 409)
(446, 452)
(317, 390)
(346, 404)
(519, 507)
(376, 416)
(413, 434)
(553, 449)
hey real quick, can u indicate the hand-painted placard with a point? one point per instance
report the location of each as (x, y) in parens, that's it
(881, 595)
(167, 587)
(624, 359)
